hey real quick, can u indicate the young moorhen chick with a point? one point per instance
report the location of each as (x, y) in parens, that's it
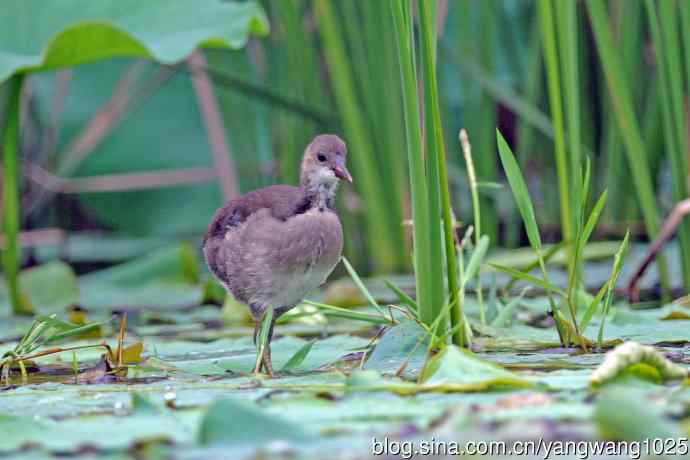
(272, 246)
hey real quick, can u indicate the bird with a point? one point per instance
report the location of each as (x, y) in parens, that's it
(270, 247)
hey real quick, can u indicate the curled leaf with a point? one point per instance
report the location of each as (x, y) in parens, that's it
(637, 359)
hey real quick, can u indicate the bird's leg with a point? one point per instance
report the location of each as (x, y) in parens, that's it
(266, 359)
(259, 359)
(263, 359)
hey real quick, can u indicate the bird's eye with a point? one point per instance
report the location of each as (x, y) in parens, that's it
(321, 157)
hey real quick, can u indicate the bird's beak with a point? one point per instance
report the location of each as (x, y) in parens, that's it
(341, 172)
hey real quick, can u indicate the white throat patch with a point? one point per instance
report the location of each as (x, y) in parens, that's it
(323, 176)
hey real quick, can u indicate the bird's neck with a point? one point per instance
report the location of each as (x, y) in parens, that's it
(320, 195)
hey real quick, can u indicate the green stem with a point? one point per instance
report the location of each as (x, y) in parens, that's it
(472, 178)
(437, 177)
(11, 139)
(402, 18)
(555, 102)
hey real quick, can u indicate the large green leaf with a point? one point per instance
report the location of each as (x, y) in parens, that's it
(167, 278)
(165, 133)
(310, 411)
(38, 35)
(48, 288)
(221, 357)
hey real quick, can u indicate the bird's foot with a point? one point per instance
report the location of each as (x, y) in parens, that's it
(263, 362)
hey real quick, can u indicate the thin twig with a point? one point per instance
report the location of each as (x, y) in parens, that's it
(53, 351)
(206, 98)
(31, 238)
(104, 122)
(322, 117)
(52, 130)
(667, 231)
(121, 105)
(118, 182)
(441, 17)
(121, 340)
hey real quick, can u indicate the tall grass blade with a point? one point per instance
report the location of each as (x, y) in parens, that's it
(567, 21)
(298, 358)
(360, 285)
(629, 39)
(685, 30)
(346, 313)
(615, 273)
(296, 55)
(583, 234)
(520, 192)
(531, 279)
(546, 18)
(524, 202)
(592, 220)
(386, 254)
(402, 20)
(439, 207)
(593, 305)
(548, 255)
(666, 41)
(403, 297)
(506, 314)
(476, 260)
(628, 125)
(369, 37)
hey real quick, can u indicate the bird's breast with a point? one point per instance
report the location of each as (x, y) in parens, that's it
(314, 240)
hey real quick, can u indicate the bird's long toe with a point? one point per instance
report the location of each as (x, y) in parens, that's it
(266, 359)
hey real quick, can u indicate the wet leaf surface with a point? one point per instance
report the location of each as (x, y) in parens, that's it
(188, 392)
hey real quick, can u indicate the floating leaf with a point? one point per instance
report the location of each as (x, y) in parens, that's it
(402, 348)
(234, 422)
(455, 366)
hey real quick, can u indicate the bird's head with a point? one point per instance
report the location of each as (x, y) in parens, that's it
(324, 163)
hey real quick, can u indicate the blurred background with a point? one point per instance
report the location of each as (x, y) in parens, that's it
(127, 156)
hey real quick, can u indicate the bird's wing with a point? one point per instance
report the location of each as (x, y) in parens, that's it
(283, 201)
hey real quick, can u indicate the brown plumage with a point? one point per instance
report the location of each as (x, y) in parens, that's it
(272, 246)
